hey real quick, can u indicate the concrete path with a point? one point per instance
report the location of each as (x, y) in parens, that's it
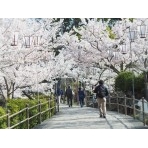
(88, 118)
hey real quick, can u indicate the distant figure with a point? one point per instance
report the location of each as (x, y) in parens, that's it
(62, 98)
(69, 96)
(101, 93)
(58, 94)
(81, 97)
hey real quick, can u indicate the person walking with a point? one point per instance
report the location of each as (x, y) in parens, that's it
(58, 93)
(101, 93)
(81, 97)
(69, 96)
(62, 98)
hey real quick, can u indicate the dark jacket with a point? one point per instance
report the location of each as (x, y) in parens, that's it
(68, 93)
(101, 91)
(81, 94)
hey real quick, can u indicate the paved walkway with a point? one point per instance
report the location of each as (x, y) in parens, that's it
(88, 118)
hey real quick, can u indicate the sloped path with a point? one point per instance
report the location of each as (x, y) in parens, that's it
(88, 118)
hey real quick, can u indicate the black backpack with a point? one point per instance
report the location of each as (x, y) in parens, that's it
(101, 91)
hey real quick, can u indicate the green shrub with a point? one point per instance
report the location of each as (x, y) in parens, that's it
(13, 108)
(3, 121)
(139, 85)
(52, 104)
(16, 105)
(44, 107)
(123, 82)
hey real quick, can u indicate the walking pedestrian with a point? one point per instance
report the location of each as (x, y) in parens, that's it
(58, 93)
(101, 93)
(69, 96)
(62, 98)
(81, 97)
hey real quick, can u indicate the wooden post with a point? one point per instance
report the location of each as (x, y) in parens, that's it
(27, 115)
(49, 108)
(8, 118)
(93, 102)
(143, 111)
(117, 105)
(133, 107)
(58, 103)
(39, 110)
(125, 107)
(55, 105)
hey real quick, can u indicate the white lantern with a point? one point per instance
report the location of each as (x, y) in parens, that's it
(15, 38)
(142, 30)
(123, 48)
(110, 53)
(116, 56)
(36, 41)
(132, 35)
(27, 41)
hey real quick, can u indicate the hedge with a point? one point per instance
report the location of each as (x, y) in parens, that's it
(15, 105)
(123, 82)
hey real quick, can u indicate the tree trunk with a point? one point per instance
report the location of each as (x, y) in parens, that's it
(7, 88)
(13, 84)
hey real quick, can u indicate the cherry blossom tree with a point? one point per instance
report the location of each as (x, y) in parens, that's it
(34, 51)
(26, 52)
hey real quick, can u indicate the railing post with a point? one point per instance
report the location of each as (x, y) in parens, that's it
(143, 111)
(39, 109)
(125, 107)
(134, 107)
(27, 115)
(55, 104)
(49, 108)
(8, 118)
(58, 103)
(117, 105)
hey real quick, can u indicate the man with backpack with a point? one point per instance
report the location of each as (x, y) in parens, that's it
(69, 96)
(101, 93)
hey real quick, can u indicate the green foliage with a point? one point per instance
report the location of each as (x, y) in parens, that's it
(139, 82)
(16, 105)
(3, 123)
(111, 34)
(52, 104)
(13, 108)
(123, 82)
(44, 107)
(131, 19)
(41, 96)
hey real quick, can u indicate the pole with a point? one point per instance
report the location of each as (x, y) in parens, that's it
(146, 85)
(37, 83)
(133, 91)
(143, 111)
